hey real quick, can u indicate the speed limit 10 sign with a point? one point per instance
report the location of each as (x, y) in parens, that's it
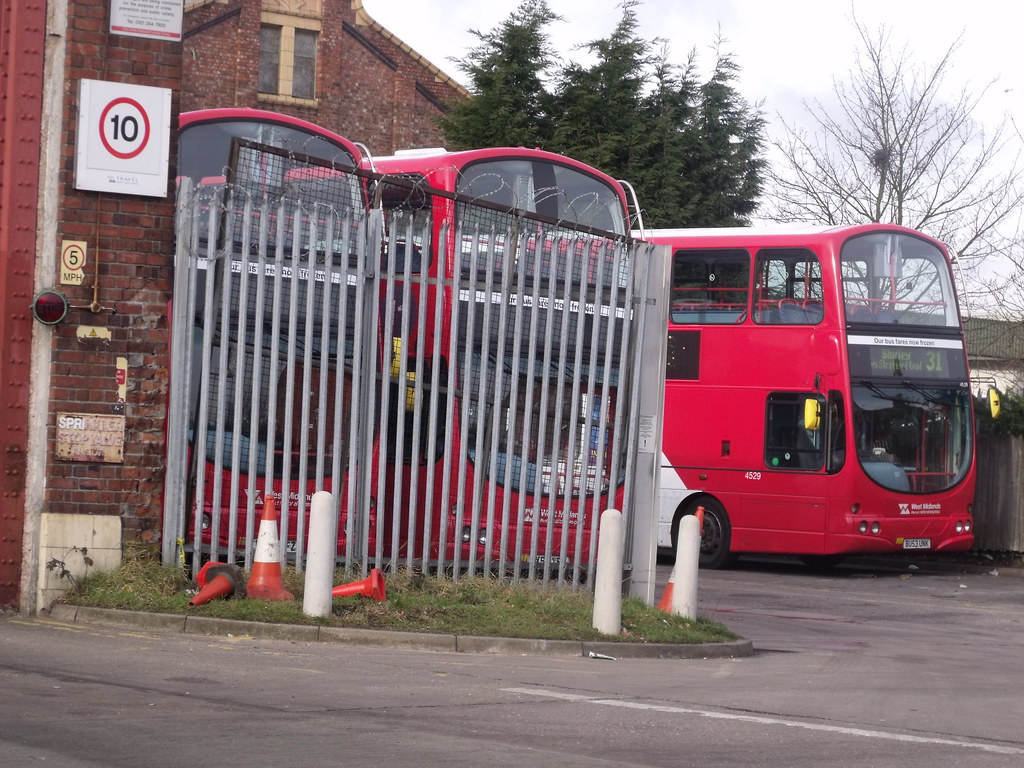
(123, 138)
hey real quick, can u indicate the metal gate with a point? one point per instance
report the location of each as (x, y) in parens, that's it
(471, 412)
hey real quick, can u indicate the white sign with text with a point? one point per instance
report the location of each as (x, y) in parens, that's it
(160, 19)
(123, 138)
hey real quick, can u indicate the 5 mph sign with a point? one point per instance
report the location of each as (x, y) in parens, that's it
(123, 138)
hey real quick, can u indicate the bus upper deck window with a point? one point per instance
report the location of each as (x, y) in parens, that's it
(788, 289)
(710, 286)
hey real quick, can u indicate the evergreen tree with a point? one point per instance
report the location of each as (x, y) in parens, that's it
(510, 105)
(598, 108)
(726, 154)
(664, 155)
(692, 150)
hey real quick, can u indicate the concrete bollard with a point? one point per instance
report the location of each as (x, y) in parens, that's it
(323, 544)
(608, 581)
(684, 595)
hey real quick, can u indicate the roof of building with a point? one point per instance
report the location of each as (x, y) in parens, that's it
(990, 339)
(362, 17)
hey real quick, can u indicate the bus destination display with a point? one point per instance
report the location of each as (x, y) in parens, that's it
(907, 358)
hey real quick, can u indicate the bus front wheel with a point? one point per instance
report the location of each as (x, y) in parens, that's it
(715, 535)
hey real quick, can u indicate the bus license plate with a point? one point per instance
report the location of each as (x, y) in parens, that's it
(917, 543)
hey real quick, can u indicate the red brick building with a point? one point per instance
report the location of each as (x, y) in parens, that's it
(323, 60)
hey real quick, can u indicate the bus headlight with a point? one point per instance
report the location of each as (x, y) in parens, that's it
(206, 521)
(876, 527)
(467, 535)
(863, 527)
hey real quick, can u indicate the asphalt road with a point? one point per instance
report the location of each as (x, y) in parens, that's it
(861, 667)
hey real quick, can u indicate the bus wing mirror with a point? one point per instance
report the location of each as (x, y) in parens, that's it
(993, 402)
(812, 414)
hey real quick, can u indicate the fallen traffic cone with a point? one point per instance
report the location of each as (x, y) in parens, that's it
(204, 573)
(265, 581)
(218, 580)
(371, 586)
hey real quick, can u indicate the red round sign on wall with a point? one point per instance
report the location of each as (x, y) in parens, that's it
(124, 128)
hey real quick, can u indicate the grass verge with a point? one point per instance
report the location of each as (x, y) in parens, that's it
(476, 605)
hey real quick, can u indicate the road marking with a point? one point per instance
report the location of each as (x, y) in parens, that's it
(761, 720)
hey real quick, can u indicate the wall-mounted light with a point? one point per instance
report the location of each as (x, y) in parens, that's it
(50, 307)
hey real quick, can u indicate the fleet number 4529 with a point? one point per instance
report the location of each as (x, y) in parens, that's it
(752, 475)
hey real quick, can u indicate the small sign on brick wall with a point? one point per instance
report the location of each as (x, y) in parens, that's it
(94, 437)
(160, 19)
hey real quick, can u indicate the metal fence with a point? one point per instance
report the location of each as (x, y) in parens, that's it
(472, 408)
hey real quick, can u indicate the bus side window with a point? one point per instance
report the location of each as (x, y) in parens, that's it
(788, 443)
(788, 287)
(710, 286)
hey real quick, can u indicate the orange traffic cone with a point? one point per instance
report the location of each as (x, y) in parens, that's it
(665, 604)
(371, 586)
(204, 573)
(218, 580)
(265, 581)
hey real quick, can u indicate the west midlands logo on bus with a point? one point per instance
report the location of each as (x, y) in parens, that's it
(920, 509)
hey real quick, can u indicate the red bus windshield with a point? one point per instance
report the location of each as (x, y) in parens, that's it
(892, 279)
(210, 136)
(550, 406)
(557, 192)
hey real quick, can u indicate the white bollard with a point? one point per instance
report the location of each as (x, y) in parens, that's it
(323, 545)
(684, 594)
(608, 579)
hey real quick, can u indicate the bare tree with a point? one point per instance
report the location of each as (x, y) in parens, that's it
(893, 149)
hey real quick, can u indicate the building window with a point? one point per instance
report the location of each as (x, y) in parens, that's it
(304, 72)
(270, 58)
(287, 68)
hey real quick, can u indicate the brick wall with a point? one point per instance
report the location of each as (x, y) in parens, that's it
(130, 257)
(371, 87)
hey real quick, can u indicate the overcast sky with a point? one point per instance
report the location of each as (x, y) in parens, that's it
(788, 50)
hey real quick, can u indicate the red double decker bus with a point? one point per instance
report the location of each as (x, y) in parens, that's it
(817, 399)
(511, 268)
(261, 395)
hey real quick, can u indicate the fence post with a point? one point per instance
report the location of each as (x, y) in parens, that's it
(649, 359)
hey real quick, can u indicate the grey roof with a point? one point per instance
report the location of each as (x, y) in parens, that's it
(994, 339)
